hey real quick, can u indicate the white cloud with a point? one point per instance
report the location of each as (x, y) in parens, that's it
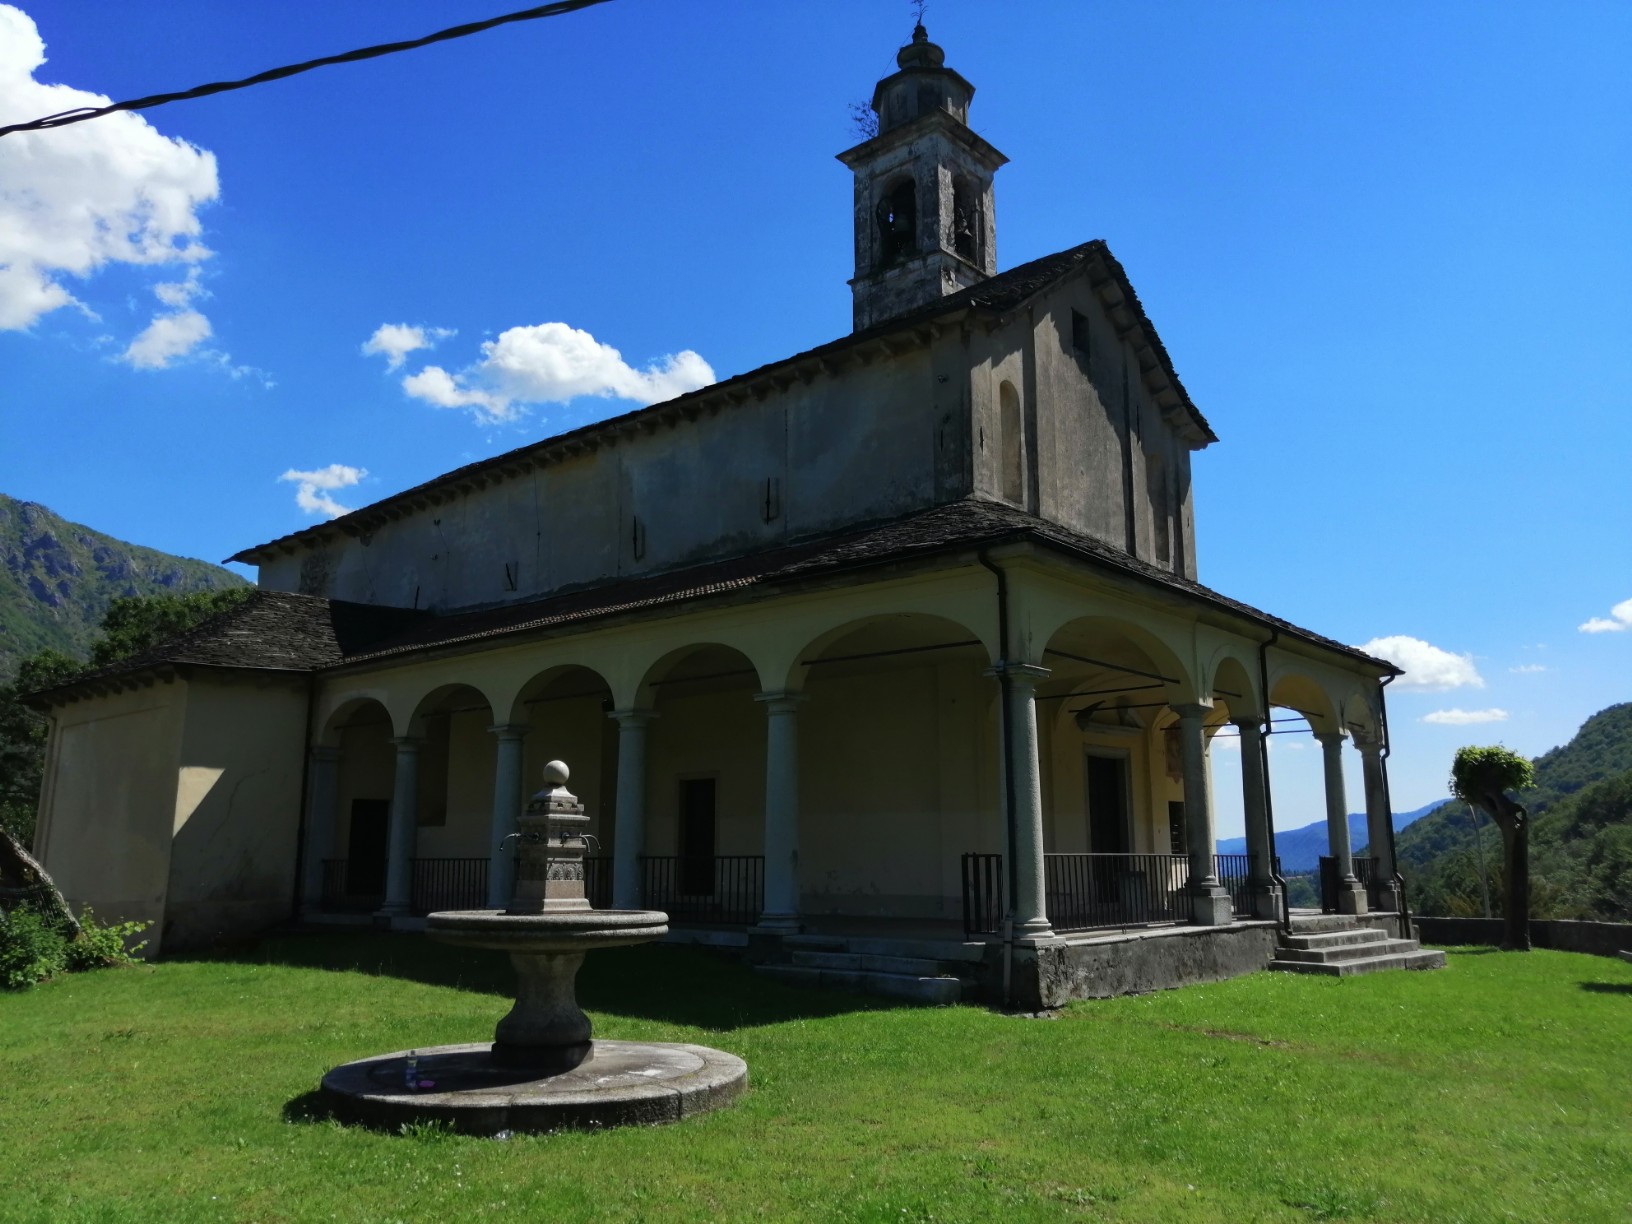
(168, 337)
(1619, 619)
(551, 363)
(1465, 718)
(313, 488)
(394, 341)
(1528, 669)
(74, 199)
(1427, 667)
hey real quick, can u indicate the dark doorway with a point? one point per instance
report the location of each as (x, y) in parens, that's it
(1107, 805)
(697, 836)
(366, 847)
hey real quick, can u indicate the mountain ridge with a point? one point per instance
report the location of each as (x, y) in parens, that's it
(58, 577)
(1300, 849)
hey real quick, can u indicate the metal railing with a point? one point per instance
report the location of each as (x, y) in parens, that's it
(598, 880)
(1365, 870)
(447, 884)
(1084, 891)
(728, 890)
(351, 888)
(982, 894)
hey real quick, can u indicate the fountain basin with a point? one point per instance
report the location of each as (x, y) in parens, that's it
(559, 931)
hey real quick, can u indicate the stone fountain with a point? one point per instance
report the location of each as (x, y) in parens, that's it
(542, 1071)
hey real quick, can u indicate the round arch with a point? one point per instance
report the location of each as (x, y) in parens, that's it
(1294, 690)
(356, 710)
(882, 636)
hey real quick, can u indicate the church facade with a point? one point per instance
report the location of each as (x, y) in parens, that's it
(901, 634)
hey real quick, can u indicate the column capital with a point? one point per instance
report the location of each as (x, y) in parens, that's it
(634, 716)
(1188, 710)
(510, 731)
(783, 701)
(1026, 673)
(1248, 722)
(1367, 746)
(407, 743)
(1330, 739)
(325, 754)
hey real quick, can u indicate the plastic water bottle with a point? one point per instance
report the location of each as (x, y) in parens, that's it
(410, 1071)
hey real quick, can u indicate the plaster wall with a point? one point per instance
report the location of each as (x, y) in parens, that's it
(719, 735)
(109, 801)
(850, 446)
(456, 786)
(236, 814)
(367, 764)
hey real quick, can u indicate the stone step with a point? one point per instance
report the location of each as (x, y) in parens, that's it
(1348, 952)
(1425, 959)
(1308, 924)
(910, 966)
(1335, 939)
(937, 991)
(944, 950)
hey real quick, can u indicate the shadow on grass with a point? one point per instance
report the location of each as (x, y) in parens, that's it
(674, 985)
(307, 1107)
(1608, 987)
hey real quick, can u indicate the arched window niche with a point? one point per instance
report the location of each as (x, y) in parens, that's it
(1010, 443)
(897, 222)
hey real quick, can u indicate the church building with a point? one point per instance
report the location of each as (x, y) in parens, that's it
(885, 663)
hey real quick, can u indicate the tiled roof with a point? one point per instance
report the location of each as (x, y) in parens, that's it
(276, 630)
(996, 295)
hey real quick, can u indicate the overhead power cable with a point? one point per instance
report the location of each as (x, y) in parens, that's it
(81, 114)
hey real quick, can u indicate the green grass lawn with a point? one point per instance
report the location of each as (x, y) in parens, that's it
(1498, 1089)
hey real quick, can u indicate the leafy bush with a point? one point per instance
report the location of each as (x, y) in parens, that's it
(102, 946)
(31, 949)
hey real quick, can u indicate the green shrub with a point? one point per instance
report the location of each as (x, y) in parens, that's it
(101, 946)
(31, 949)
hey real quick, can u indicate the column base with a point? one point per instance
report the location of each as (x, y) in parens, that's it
(1385, 898)
(777, 924)
(1266, 900)
(1351, 897)
(1210, 905)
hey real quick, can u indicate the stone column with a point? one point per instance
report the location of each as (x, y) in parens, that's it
(629, 819)
(322, 793)
(1210, 903)
(1385, 890)
(781, 912)
(1351, 894)
(1028, 907)
(508, 797)
(1266, 894)
(404, 830)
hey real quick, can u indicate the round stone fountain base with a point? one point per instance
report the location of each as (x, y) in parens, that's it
(622, 1083)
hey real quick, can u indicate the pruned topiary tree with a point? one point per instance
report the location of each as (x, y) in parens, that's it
(1482, 777)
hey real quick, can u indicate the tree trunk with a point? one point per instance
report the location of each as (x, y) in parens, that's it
(1516, 908)
(1514, 822)
(20, 871)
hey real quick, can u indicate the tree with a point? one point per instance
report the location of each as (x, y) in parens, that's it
(1482, 778)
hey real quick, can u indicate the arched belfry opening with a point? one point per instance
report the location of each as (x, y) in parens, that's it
(897, 223)
(923, 190)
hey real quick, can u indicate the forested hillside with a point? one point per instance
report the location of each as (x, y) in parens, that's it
(57, 579)
(1581, 838)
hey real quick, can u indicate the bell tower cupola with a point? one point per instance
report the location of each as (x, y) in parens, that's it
(923, 190)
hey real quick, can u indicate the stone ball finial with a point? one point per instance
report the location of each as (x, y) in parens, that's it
(556, 773)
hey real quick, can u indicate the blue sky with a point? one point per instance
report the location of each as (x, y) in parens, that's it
(1389, 247)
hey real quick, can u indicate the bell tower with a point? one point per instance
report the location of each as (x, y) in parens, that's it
(923, 198)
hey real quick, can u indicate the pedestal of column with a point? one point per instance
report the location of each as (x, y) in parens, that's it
(629, 819)
(404, 832)
(1351, 894)
(1209, 902)
(1385, 890)
(508, 798)
(781, 913)
(1261, 886)
(322, 792)
(1028, 907)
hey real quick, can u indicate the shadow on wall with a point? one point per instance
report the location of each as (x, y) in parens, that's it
(683, 986)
